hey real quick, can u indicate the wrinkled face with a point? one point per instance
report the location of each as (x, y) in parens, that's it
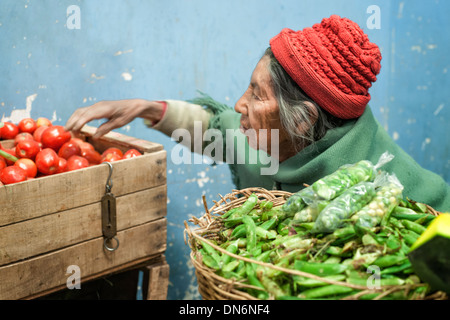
(259, 109)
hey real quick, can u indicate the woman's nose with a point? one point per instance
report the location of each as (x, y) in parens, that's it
(241, 105)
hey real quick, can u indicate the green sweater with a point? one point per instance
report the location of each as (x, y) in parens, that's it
(360, 139)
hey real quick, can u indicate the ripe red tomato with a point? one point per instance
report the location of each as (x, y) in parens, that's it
(27, 149)
(9, 131)
(37, 134)
(111, 157)
(68, 149)
(11, 152)
(131, 153)
(27, 125)
(47, 161)
(76, 162)
(112, 150)
(12, 174)
(93, 156)
(2, 163)
(54, 137)
(62, 165)
(42, 121)
(23, 136)
(28, 165)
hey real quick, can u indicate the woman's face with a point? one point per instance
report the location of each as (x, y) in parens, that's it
(259, 109)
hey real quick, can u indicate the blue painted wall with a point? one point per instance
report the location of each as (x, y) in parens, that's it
(170, 49)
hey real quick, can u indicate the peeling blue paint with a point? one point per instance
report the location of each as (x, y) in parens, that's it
(170, 49)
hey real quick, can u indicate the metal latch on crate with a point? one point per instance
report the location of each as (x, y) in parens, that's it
(109, 221)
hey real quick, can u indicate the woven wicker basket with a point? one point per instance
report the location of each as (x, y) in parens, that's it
(211, 286)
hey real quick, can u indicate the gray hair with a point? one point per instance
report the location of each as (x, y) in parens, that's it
(297, 108)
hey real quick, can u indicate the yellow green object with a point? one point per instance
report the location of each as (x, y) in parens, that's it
(430, 254)
(439, 226)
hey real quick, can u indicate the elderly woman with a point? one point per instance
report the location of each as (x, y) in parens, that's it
(306, 108)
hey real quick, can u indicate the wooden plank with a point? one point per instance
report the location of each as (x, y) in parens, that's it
(59, 192)
(51, 232)
(98, 282)
(48, 271)
(158, 281)
(118, 140)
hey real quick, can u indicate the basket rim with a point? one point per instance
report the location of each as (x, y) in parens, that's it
(208, 219)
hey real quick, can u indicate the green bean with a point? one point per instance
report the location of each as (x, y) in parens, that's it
(228, 213)
(233, 221)
(389, 260)
(247, 206)
(413, 226)
(337, 251)
(213, 253)
(251, 232)
(310, 283)
(254, 281)
(266, 205)
(344, 232)
(325, 291)
(320, 269)
(269, 224)
(332, 259)
(271, 286)
(409, 236)
(296, 243)
(265, 234)
(232, 248)
(231, 266)
(231, 275)
(394, 281)
(209, 261)
(396, 269)
(238, 232)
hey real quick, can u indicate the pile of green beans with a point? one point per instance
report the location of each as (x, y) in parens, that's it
(352, 261)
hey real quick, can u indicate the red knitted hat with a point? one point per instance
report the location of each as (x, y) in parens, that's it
(333, 62)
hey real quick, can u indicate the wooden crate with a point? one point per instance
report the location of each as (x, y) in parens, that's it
(50, 223)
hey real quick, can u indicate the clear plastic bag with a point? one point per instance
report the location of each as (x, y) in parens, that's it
(388, 196)
(343, 207)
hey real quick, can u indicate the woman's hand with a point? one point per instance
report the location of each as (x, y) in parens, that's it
(118, 114)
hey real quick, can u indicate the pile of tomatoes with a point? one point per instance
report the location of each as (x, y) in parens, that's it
(42, 148)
